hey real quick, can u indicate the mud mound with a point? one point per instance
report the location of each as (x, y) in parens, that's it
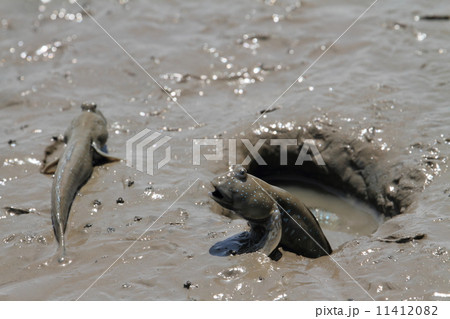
(353, 164)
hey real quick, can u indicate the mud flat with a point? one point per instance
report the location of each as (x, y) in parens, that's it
(376, 102)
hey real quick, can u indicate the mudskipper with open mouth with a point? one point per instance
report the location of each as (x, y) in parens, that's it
(276, 218)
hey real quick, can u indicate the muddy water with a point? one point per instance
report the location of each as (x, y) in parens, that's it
(342, 218)
(386, 81)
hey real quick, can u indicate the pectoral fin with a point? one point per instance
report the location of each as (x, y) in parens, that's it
(49, 168)
(101, 156)
(51, 156)
(273, 232)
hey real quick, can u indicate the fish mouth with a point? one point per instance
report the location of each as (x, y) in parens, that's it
(221, 197)
(216, 194)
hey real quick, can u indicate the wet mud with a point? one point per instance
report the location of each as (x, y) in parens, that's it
(376, 104)
(352, 164)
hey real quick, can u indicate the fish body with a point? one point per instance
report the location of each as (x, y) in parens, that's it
(276, 217)
(85, 139)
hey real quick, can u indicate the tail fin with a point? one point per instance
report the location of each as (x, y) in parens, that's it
(58, 229)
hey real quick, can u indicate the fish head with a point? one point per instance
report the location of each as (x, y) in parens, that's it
(242, 193)
(94, 120)
(89, 107)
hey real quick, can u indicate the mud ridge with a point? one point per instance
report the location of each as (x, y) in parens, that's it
(353, 164)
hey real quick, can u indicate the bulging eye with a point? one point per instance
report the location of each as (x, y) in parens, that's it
(241, 172)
